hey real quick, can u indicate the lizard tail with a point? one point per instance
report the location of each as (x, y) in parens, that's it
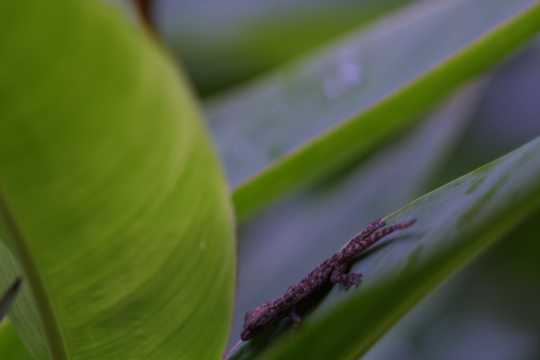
(372, 227)
(232, 350)
(379, 233)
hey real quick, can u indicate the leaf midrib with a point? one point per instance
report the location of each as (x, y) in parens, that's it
(55, 340)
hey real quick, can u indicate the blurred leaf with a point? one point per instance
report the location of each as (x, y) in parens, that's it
(11, 347)
(250, 37)
(381, 79)
(291, 238)
(455, 223)
(127, 7)
(113, 206)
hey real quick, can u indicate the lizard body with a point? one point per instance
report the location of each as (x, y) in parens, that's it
(333, 270)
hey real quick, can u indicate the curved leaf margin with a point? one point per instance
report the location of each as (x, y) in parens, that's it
(455, 224)
(343, 145)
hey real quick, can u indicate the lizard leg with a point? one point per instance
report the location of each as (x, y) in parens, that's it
(295, 318)
(340, 276)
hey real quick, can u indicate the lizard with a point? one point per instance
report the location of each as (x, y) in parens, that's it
(334, 270)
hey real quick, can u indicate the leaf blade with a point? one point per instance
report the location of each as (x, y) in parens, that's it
(11, 346)
(293, 237)
(115, 190)
(455, 223)
(398, 107)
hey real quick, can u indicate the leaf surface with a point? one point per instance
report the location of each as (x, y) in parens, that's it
(114, 209)
(291, 238)
(381, 79)
(455, 223)
(11, 346)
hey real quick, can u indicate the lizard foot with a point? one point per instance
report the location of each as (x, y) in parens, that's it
(348, 280)
(295, 318)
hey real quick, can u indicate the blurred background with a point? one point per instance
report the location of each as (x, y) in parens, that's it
(488, 311)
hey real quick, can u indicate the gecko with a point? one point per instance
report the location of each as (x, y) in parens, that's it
(334, 270)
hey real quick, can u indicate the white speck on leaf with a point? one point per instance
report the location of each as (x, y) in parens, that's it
(348, 74)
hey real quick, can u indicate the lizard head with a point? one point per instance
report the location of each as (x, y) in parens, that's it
(256, 319)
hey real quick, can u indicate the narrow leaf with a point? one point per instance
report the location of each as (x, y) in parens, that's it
(224, 43)
(455, 224)
(290, 239)
(380, 79)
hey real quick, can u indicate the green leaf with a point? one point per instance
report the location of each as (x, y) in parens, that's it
(114, 209)
(11, 346)
(455, 224)
(381, 79)
(313, 225)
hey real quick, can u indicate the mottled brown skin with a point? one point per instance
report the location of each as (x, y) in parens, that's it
(333, 270)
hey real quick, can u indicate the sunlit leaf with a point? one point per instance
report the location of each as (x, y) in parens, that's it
(114, 210)
(11, 347)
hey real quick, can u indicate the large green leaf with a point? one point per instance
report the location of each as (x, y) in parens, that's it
(455, 223)
(113, 206)
(381, 79)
